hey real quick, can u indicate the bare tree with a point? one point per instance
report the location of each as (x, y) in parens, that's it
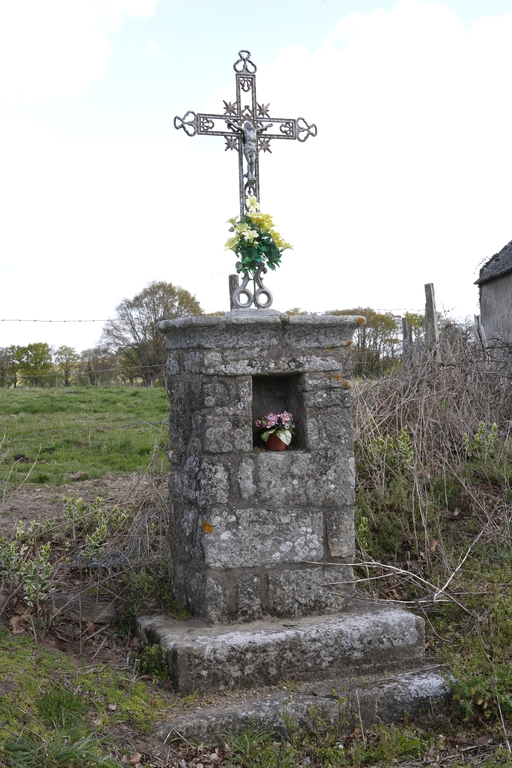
(133, 334)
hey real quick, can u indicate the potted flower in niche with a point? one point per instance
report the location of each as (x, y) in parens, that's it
(277, 430)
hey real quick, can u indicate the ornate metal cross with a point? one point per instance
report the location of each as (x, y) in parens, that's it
(246, 127)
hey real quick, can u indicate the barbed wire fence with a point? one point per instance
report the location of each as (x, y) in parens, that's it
(368, 361)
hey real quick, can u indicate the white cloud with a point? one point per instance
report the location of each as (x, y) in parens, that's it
(51, 50)
(407, 181)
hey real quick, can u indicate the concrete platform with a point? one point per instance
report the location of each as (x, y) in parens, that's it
(340, 705)
(370, 639)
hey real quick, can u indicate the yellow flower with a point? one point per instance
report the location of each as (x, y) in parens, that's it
(250, 234)
(263, 219)
(232, 221)
(276, 237)
(232, 243)
(252, 203)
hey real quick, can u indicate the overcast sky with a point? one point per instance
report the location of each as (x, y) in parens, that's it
(408, 181)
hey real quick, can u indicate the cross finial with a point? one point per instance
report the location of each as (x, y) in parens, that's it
(246, 126)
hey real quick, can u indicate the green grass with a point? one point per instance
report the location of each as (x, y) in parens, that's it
(91, 431)
(67, 713)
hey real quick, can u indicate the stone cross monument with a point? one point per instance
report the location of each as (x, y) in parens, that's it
(262, 541)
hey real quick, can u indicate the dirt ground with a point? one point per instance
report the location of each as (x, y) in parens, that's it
(43, 503)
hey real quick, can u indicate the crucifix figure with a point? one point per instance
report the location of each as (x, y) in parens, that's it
(243, 126)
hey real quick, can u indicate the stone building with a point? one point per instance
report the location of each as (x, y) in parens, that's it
(495, 284)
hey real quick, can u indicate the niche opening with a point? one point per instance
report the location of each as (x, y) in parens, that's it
(277, 394)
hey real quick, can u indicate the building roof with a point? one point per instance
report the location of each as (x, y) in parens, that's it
(498, 265)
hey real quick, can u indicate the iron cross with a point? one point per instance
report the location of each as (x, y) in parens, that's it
(246, 127)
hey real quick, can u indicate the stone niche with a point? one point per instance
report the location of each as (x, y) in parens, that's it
(254, 532)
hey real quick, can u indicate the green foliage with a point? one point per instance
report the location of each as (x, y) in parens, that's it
(483, 444)
(433, 500)
(264, 253)
(392, 742)
(8, 367)
(386, 495)
(67, 360)
(26, 568)
(51, 435)
(149, 584)
(482, 667)
(328, 746)
(255, 241)
(35, 364)
(93, 523)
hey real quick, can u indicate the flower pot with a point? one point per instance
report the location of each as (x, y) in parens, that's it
(274, 443)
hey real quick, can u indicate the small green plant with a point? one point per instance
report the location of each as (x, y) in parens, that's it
(150, 662)
(93, 521)
(392, 742)
(60, 708)
(483, 444)
(27, 568)
(263, 749)
(62, 750)
(37, 575)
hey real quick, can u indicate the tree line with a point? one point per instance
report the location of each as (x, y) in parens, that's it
(132, 350)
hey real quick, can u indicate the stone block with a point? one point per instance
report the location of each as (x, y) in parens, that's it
(249, 597)
(246, 481)
(339, 525)
(254, 537)
(324, 477)
(224, 432)
(227, 392)
(308, 590)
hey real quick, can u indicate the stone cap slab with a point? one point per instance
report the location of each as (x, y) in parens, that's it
(228, 331)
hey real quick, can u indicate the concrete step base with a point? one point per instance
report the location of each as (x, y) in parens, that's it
(339, 705)
(369, 639)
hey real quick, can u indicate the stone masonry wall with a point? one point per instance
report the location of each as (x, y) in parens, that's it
(256, 532)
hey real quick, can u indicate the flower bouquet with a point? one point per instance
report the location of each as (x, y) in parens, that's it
(255, 241)
(279, 424)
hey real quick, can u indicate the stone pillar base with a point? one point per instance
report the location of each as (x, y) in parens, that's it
(365, 640)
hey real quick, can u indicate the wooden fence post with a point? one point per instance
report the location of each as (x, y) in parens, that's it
(480, 332)
(431, 327)
(406, 342)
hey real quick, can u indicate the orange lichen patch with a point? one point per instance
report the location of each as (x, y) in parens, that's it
(361, 320)
(329, 349)
(345, 383)
(348, 343)
(337, 377)
(207, 527)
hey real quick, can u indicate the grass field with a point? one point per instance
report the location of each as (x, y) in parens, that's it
(54, 435)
